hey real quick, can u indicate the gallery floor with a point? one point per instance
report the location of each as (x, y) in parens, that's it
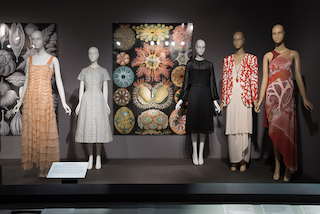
(157, 171)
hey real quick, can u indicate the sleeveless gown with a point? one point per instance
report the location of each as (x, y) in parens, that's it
(39, 140)
(280, 108)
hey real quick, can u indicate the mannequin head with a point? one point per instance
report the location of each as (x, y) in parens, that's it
(278, 34)
(238, 40)
(200, 47)
(93, 54)
(37, 39)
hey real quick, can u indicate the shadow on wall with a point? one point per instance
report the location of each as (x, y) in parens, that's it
(221, 120)
(312, 126)
(73, 101)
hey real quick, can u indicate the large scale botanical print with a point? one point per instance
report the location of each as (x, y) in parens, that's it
(149, 61)
(15, 48)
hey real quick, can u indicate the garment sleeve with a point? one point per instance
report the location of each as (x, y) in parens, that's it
(213, 87)
(224, 81)
(81, 75)
(254, 79)
(106, 76)
(185, 87)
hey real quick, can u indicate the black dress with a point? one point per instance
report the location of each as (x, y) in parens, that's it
(199, 89)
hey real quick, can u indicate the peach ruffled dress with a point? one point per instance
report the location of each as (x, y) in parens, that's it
(39, 140)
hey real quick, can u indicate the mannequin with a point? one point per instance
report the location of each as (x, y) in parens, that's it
(239, 91)
(280, 111)
(93, 125)
(39, 140)
(199, 89)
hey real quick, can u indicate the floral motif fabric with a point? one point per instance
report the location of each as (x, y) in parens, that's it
(248, 79)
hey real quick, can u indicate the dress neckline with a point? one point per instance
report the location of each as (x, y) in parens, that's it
(48, 63)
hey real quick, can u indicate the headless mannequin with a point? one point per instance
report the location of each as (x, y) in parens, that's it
(93, 54)
(238, 42)
(278, 34)
(197, 159)
(41, 58)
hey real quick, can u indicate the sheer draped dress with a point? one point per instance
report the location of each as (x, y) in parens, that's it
(199, 90)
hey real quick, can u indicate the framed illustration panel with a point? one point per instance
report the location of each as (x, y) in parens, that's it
(149, 61)
(16, 47)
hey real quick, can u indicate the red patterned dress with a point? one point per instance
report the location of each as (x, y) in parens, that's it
(280, 108)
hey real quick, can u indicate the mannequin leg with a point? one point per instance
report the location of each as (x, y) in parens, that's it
(194, 139)
(233, 167)
(243, 166)
(201, 148)
(287, 175)
(98, 160)
(90, 152)
(277, 157)
(233, 146)
(41, 174)
(246, 153)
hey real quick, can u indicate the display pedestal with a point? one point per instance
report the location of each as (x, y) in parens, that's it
(68, 172)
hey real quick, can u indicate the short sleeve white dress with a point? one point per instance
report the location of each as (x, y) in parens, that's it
(93, 124)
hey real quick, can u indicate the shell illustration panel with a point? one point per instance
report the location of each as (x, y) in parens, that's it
(149, 61)
(152, 121)
(124, 120)
(16, 47)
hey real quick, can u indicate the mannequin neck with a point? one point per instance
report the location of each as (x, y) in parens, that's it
(280, 47)
(94, 64)
(239, 53)
(199, 58)
(41, 51)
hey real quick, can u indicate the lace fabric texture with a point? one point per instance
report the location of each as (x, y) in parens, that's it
(93, 124)
(39, 140)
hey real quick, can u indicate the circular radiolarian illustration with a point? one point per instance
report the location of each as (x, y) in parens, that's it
(123, 76)
(124, 37)
(177, 75)
(177, 121)
(123, 58)
(121, 96)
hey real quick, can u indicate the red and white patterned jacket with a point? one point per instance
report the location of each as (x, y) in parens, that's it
(248, 79)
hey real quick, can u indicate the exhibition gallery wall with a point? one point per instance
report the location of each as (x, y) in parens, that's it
(82, 24)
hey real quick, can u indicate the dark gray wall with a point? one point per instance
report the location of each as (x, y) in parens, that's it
(82, 24)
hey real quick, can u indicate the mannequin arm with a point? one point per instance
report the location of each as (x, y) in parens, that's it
(105, 95)
(221, 106)
(25, 85)
(266, 59)
(59, 83)
(217, 107)
(308, 105)
(178, 105)
(254, 79)
(81, 91)
(224, 83)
